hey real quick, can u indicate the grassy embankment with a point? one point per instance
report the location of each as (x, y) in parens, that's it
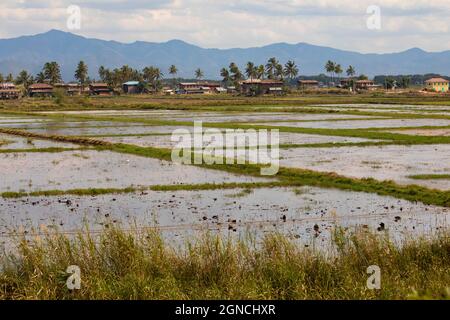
(140, 265)
(226, 102)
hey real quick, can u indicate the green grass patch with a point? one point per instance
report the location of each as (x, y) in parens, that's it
(430, 176)
(140, 264)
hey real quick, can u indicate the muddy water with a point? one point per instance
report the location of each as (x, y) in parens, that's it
(382, 163)
(15, 142)
(362, 124)
(308, 215)
(95, 169)
(285, 138)
(89, 130)
(424, 132)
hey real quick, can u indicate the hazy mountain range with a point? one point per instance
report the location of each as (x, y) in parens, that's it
(31, 52)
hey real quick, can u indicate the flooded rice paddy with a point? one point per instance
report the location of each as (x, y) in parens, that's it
(307, 214)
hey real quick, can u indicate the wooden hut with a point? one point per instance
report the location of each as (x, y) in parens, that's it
(40, 90)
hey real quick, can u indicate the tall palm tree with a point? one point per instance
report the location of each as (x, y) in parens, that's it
(24, 78)
(102, 72)
(338, 70)
(279, 72)
(81, 74)
(235, 74)
(40, 77)
(291, 69)
(271, 66)
(351, 71)
(199, 74)
(153, 75)
(52, 72)
(250, 70)
(260, 71)
(173, 72)
(225, 74)
(330, 67)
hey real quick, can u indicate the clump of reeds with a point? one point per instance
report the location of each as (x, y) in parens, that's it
(120, 264)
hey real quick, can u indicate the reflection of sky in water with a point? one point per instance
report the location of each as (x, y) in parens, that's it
(182, 214)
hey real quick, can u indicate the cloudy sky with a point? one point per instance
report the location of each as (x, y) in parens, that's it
(341, 24)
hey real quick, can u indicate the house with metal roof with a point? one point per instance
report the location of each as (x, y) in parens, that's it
(132, 87)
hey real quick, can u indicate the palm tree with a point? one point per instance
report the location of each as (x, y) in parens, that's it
(225, 74)
(235, 74)
(1, 78)
(173, 72)
(260, 72)
(338, 70)
(10, 78)
(199, 74)
(153, 75)
(290, 70)
(81, 74)
(52, 72)
(271, 66)
(24, 78)
(102, 73)
(40, 77)
(330, 67)
(351, 71)
(279, 72)
(250, 70)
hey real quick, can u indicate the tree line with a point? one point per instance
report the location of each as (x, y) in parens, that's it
(153, 76)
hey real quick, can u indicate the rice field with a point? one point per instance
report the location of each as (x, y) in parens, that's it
(382, 169)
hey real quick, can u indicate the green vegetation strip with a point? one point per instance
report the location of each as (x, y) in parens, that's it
(430, 176)
(178, 187)
(140, 264)
(293, 177)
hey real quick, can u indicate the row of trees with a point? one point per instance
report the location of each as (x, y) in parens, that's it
(51, 73)
(272, 70)
(153, 76)
(335, 69)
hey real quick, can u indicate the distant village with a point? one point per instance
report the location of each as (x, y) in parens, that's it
(272, 78)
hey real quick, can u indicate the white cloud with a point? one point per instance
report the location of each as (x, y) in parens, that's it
(242, 23)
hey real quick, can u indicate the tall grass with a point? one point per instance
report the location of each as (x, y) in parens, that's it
(131, 265)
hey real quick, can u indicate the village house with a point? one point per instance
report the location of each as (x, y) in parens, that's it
(99, 89)
(367, 85)
(40, 90)
(8, 91)
(308, 84)
(197, 87)
(437, 84)
(258, 86)
(70, 89)
(132, 87)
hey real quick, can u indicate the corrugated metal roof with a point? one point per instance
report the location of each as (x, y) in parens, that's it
(131, 83)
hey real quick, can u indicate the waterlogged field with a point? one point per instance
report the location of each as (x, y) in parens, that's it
(376, 169)
(37, 163)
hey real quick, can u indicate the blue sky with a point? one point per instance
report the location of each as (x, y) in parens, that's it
(242, 23)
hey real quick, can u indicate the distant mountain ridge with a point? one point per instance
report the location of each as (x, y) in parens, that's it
(31, 52)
